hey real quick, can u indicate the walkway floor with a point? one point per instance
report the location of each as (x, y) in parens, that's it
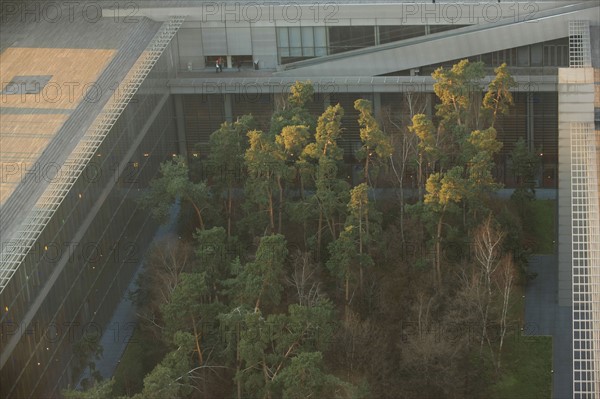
(543, 316)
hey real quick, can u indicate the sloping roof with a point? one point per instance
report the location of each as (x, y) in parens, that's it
(57, 74)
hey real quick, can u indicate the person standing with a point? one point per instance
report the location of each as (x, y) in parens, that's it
(217, 65)
(220, 63)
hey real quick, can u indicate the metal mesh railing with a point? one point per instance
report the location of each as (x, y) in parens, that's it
(580, 55)
(14, 251)
(585, 262)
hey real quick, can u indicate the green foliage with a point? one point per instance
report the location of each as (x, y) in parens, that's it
(329, 130)
(376, 146)
(267, 346)
(319, 165)
(423, 128)
(306, 377)
(444, 189)
(512, 224)
(259, 282)
(524, 166)
(331, 194)
(227, 146)
(350, 252)
(295, 112)
(457, 90)
(263, 157)
(214, 253)
(225, 163)
(186, 303)
(481, 149)
(270, 347)
(100, 390)
(498, 99)
(364, 219)
(293, 139)
(343, 254)
(300, 94)
(266, 166)
(170, 379)
(174, 183)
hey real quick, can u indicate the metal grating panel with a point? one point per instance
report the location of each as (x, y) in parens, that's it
(580, 55)
(20, 244)
(585, 262)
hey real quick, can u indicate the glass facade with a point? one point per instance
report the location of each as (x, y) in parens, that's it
(299, 43)
(346, 38)
(394, 33)
(77, 271)
(539, 58)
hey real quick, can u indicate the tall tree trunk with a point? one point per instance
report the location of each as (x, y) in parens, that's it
(238, 365)
(238, 381)
(229, 210)
(484, 324)
(267, 380)
(271, 211)
(438, 250)
(333, 229)
(257, 305)
(331, 225)
(347, 299)
(301, 186)
(400, 178)
(319, 234)
(280, 208)
(367, 167)
(360, 246)
(420, 178)
(199, 214)
(197, 338)
(505, 302)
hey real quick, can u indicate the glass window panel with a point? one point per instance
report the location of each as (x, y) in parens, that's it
(395, 33)
(363, 36)
(320, 38)
(282, 42)
(442, 28)
(295, 39)
(346, 38)
(523, 56)
(549, 56)
(282, 37)
(536, 54)
(308, 46)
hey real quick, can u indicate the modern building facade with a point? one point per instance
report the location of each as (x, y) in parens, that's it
(161, 55)
(86, 118)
